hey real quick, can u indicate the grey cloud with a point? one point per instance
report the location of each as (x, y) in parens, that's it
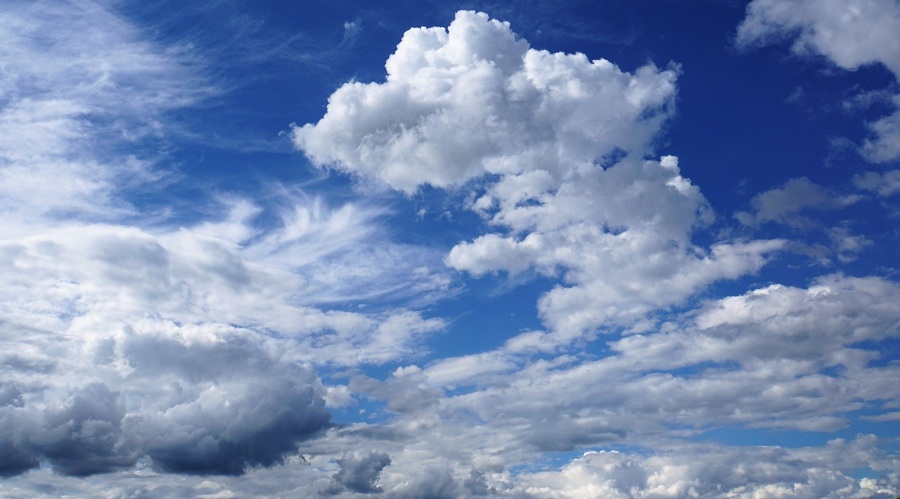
(158, 357)
(476, 484)
(359, 472)
(230, 427)
(16, 425)
(406, 391)
(785, 204)
(85, 437)
(217, 423)
(884, 184)
(565, 433)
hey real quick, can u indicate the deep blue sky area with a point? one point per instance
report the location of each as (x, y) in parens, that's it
(412, 249)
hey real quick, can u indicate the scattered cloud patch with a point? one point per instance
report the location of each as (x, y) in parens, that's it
(848, 33)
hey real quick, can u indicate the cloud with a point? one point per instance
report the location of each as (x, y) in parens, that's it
(432, 483)
(79, 80)
(849, 33)
(232, 426)
(239, 408)
(83, 437)
(100, 314)
(474, 99)
(712, 471)
(180, 356)
(885, 146)
(139, 344)
(359, 472)
(776, 357)
(785, 204)
(553, 148)
(884, 184)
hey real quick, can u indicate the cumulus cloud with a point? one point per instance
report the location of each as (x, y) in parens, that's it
(359, 472)
(239, 408)
(850, 33)
(232, 426)
(473, 99)
(554, 148)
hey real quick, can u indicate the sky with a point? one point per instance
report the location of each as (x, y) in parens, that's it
(526, 249)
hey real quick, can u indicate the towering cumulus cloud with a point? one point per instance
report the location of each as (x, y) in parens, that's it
(557, 151)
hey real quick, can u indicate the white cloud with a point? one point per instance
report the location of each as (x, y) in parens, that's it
(713, 472)
(553, 147)
(78, 80)
(851, 33)
(778, 357)
(473, 99)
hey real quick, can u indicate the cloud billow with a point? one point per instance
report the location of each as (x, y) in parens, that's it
(474, 99)
(359, 472)
(226, 428)
(558, 153)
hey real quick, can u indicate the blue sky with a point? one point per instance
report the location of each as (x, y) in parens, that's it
(450, 249)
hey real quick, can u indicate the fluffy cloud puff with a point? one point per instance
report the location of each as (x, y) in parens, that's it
(849, 32)
(554, 148)
(474, 99)
(712, 471)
